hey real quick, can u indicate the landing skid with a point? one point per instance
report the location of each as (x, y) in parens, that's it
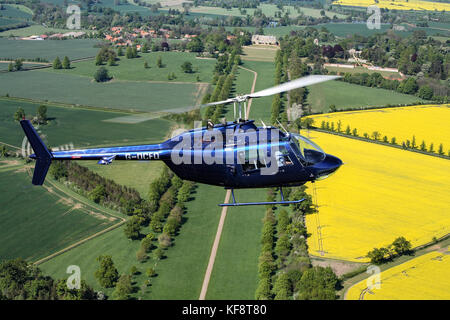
(237, 204)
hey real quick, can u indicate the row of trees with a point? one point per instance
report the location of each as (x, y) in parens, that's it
(377, 136)
(399, 247)
(407, 86)
(65, 64)
(40, 118)
(284, 267)
(224, 75)
(99, 189)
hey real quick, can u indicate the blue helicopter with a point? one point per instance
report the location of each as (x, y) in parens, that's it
(235, 154)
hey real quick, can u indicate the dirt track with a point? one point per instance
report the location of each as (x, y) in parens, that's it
(223, 215)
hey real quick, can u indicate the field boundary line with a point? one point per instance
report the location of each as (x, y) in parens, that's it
(76, 244)
(223, 215)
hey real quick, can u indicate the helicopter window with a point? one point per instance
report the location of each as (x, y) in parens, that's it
(307, 151)
(250, 160)
(282, 157)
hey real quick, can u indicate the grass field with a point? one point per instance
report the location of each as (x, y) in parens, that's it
(32, 30)
(259, 53)
(235, 273)
(49, 49)
(424, 278)
(133, 69)
(347, 95)
(397, 5)
(37, 221)
(119, 94)
(379, 194)
(358, 69)
(81, 127)
(135, 174)
(179, 276)
(16, 11)
(427, 123)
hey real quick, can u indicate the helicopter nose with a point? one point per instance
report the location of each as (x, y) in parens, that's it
(326, 167)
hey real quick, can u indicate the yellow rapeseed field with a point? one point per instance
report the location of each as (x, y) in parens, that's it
(429, 123)
(379, 194)
(397, 4)
(424, 277)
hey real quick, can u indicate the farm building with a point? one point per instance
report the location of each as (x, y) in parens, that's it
(261, 39)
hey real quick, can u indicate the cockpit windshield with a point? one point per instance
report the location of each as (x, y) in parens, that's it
(306, 150)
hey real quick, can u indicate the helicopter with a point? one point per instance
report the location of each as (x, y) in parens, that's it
(234, 154)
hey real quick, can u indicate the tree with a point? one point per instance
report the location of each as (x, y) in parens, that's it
(10, 67)
(98, 60)
(263, 291)
(158, 254)
(378, 255)
(318, 283)
(107, 273)
(441, 149)
(195, 45)
(146, 66)
(425, 92)
(19, 114)
(186, 67)
(164, 240)
(129, 53)
(150, 272)
(123, 288)
(98, 193)
(57, 63)
(282, 287)
(42, 114)
(18, 65)
(159, 63)
(102, 75)
(111, 61)
(410, 86)
(401, 246)
(132, 228)
(66, 63)
(120, 52)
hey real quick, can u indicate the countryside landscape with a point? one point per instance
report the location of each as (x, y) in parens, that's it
(115, 73)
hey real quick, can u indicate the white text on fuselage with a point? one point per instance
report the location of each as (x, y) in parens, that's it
(142, 156)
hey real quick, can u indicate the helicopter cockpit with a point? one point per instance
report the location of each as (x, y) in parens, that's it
(307, 152)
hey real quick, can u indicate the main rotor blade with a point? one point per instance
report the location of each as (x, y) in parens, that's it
(217, 102)
(291, 85)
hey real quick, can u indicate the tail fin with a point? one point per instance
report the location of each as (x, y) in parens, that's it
(43, 156)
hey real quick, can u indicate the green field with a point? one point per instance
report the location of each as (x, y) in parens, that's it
(261, 107)
(358, 69)
(38, 221)
(119, 94)
(235, 273)
(33, 30)
(81, 127)
(179, 276)
(16, 11)
(48, 49)
(133, 69)
(267, 9)
(346, 95)
(134, 174)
